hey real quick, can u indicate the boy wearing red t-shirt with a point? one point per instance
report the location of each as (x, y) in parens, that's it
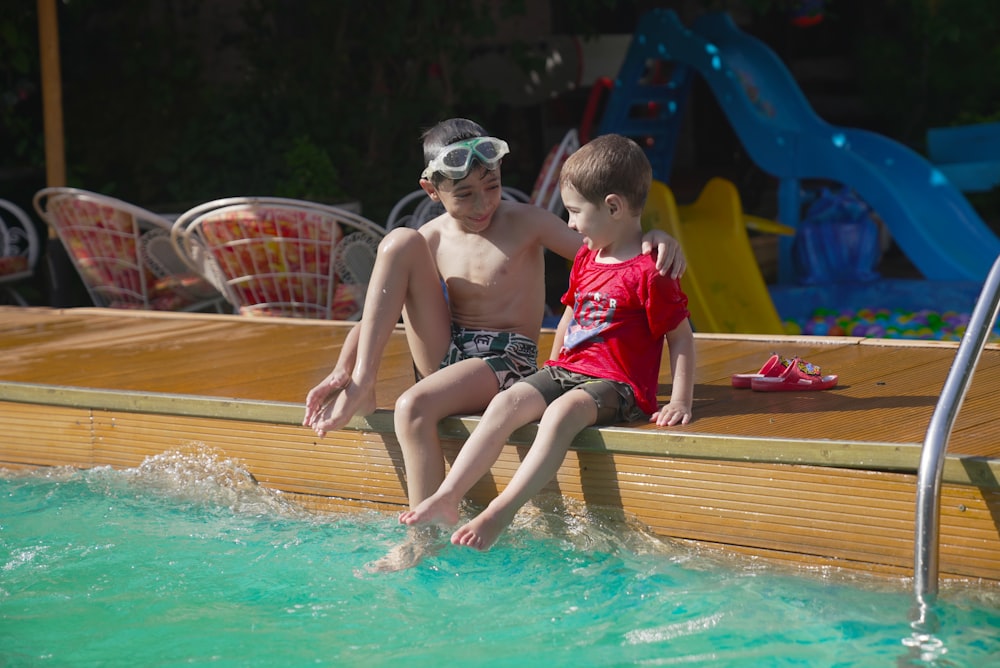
(609, 344)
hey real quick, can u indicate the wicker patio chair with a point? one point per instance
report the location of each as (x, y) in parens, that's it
(122, 253)
(281, 257)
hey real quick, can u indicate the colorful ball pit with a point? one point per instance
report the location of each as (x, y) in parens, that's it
(887, 308)
(885, 323)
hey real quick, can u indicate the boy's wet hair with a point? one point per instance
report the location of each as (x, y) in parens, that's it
(446, 133)
(609, 164)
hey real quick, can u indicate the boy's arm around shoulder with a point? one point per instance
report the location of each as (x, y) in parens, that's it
(670, 260)
(556, 235)
(553, 233)
(680, 342)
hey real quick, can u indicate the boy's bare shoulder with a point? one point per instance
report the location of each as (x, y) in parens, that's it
(433, 227)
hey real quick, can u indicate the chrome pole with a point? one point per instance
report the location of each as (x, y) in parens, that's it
(928, 518)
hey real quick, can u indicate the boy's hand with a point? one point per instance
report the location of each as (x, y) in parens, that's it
(321, 395)
(670, 258)
(673, 413)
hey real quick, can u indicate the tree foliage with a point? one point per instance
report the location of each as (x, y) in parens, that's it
(179, 101)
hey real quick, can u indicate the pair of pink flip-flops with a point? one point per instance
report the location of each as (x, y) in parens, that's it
(780, 374)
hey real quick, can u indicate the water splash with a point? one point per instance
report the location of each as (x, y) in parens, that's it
(201, 476)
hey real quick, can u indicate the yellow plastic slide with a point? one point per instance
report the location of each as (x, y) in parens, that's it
(726, 291)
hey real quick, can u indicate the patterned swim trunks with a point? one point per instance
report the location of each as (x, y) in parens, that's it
(512, 356)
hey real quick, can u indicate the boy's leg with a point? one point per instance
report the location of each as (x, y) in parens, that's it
(562, 421)
(404, 281)
(463, 387)
(509, 410)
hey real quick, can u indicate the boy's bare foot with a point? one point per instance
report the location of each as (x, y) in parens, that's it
(482, 531)
(348, 402)
(434, 510)
(418, 545)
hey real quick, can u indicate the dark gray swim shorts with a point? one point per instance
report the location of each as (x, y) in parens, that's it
(615, 401)
(512, 356)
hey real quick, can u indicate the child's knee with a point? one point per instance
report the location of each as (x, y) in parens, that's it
(398, 240)
(413, 406)
(405, 407)
(575, 405)
(505, 403)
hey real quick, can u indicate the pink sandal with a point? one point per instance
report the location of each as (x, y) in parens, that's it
(773, 367)
(798, 376)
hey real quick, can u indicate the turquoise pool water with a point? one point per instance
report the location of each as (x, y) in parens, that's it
(184, 561)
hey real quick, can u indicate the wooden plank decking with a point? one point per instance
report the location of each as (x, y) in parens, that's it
(821, 477)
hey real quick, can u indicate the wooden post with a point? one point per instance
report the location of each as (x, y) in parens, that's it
(60, 277)
(48, 47)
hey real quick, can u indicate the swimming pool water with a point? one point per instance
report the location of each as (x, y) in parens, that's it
(184, 561)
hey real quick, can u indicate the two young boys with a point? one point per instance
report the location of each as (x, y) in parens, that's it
(619, 310)
(479, 335)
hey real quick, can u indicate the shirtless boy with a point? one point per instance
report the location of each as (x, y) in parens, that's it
(483, 336)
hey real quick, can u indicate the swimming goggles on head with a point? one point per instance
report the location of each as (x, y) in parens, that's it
(455, 160)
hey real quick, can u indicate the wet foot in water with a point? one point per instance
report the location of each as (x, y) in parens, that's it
(482, 531)
(421, 542)
(436, 510)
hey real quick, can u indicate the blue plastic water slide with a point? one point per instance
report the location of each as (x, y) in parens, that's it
(933, 223)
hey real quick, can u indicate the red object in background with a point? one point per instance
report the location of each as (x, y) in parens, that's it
(597, 94)
(807, 13)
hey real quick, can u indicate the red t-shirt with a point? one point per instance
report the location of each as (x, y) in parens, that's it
(621, 312)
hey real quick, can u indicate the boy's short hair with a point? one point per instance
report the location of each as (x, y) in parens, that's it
(446, 133)
(609, 164)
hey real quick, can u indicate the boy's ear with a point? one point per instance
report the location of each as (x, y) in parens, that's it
(429, 188)
(616, 205)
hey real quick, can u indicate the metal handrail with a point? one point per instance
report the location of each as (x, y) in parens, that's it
(928, 510)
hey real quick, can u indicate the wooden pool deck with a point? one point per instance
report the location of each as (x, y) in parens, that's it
(817, 478)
